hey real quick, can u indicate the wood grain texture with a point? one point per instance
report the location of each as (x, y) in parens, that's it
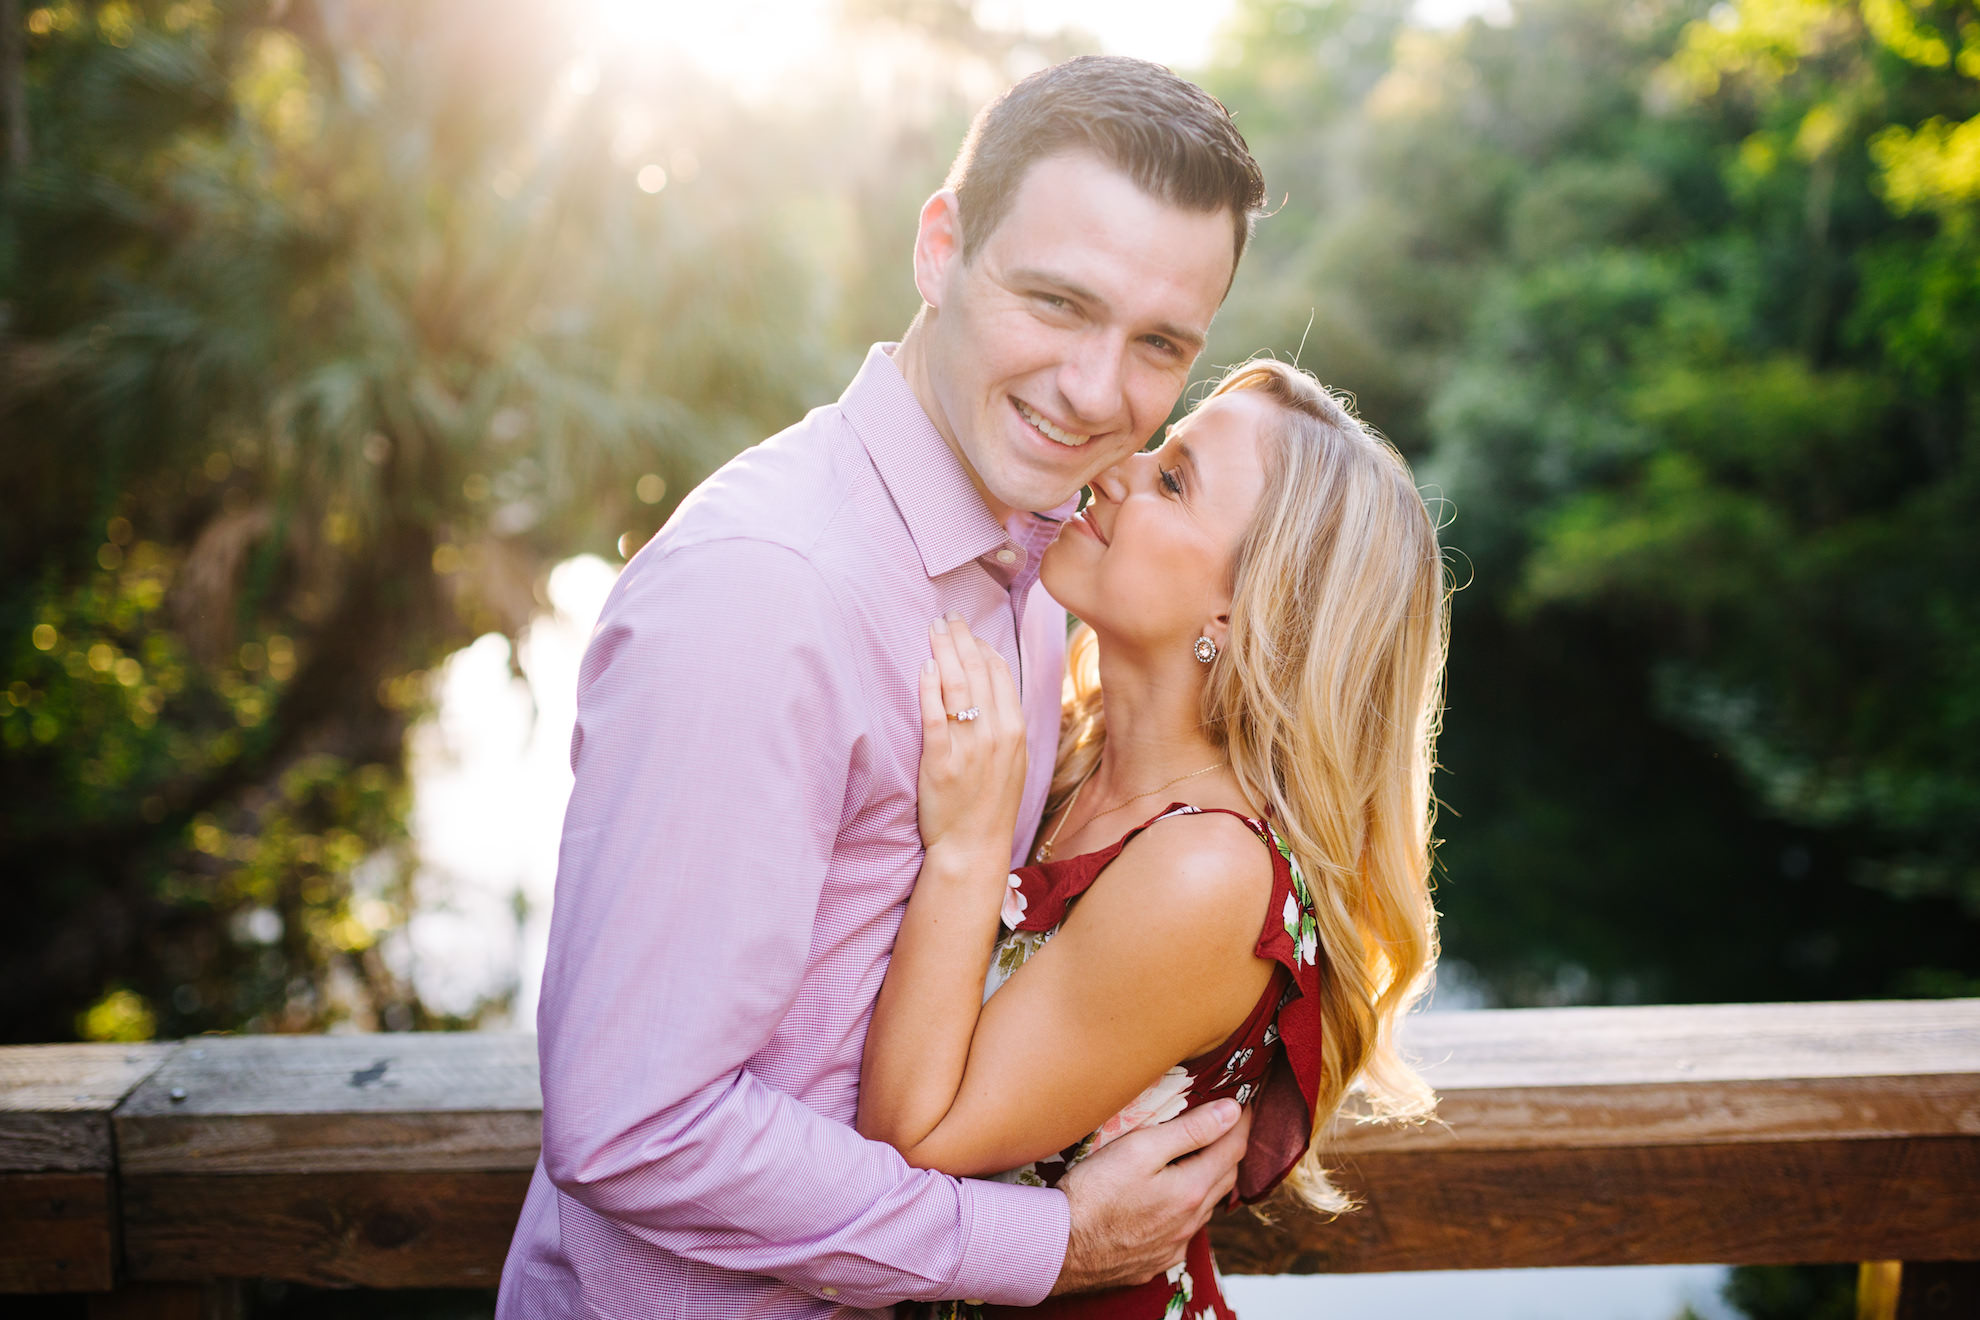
(1525, 1047)
(55, 1102)
(56, 1232)
(1762, 1203)
(376, 1230)
(1735, 1133)
(302, 1104)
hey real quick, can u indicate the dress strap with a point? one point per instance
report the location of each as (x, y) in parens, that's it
(1048, 888)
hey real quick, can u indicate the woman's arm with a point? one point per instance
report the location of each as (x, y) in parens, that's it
(1154, 965)
(971, 782)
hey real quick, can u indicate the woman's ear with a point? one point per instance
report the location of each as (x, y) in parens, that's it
(938, 244)
(1218, 629)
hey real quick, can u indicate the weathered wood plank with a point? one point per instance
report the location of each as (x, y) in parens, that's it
(57, 1232)
(302, 1104)
(1762, 1203)
(1533, 1079)
(377, 1230)
(55, 1102)
(1683, 1113)
(1740, 1133)
(1529, 1047)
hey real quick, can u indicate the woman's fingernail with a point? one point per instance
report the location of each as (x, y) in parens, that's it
(955, 616)
(941, 625)
(928, 665)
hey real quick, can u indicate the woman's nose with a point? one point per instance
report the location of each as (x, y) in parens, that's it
(1112, 483)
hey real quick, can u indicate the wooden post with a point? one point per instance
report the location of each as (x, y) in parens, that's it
(58, 1194)
(1877, 1289)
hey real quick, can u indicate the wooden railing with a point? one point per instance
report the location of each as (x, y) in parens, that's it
(1591, 1136)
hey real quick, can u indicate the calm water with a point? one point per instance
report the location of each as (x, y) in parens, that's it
(492, 773)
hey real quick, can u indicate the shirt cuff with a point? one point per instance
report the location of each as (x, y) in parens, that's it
(1015, 1245)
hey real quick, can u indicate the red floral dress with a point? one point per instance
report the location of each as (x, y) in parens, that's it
(1271, 1062)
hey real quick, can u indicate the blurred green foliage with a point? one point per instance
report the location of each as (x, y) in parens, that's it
(324, 328)
(1676, 305)
(327, 326)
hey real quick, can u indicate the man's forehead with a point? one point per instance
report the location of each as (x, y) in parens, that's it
(1082, 220)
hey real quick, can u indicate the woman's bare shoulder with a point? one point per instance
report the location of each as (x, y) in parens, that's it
(1205, 870)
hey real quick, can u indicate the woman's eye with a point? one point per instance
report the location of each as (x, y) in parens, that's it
(1172, 481)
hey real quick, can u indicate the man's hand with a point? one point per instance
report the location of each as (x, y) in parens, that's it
(1137, 1203)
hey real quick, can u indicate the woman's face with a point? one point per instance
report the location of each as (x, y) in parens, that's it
(1148, 563)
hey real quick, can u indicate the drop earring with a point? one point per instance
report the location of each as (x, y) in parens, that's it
(1206, 650)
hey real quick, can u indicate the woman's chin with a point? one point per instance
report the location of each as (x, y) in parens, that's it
(1061, 581)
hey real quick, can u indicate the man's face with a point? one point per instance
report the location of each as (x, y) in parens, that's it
(1064, 342)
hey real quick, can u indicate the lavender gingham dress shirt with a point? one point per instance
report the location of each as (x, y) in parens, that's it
(738, 848)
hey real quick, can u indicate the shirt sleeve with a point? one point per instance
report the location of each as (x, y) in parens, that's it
(719, 727)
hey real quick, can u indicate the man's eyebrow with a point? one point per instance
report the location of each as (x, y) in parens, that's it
(1189, 340)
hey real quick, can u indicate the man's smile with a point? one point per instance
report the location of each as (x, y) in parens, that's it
(1045, 427)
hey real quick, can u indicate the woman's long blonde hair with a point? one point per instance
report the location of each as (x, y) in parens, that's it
(1327, 697)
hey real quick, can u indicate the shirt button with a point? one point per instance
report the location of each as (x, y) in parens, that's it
(829, 1292)
(1007, 556)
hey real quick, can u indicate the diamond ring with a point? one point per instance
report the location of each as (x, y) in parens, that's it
(965, 716)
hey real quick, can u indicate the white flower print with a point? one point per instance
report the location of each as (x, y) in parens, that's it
(1291, 916)
(1179, 1276)
(1245, 1092)
(1014, 903)
(1271, 1030)
(1012, 952)
(1309, 945)
(1238, 1061)
(1162, 1101)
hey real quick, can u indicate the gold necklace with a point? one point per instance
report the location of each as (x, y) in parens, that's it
(1045, 848)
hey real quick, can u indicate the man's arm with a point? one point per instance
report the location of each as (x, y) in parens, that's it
(717, 723)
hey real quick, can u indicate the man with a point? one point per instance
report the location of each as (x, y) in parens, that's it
(742, 836)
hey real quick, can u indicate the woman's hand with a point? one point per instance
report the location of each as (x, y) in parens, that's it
(972, 771)
(972, 777)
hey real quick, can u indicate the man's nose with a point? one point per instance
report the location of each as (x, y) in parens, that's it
(1091, 380)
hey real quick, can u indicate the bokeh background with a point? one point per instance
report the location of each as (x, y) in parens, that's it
(347, 347)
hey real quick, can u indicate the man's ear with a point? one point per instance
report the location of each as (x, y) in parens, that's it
(938, 245)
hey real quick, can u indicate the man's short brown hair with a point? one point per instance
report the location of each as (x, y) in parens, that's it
(1174, 139)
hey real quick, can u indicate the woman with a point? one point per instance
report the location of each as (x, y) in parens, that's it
(1260, 664)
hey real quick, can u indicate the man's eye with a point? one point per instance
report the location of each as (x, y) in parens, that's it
(1054, 301)
(1161, 344)
(1172, 481)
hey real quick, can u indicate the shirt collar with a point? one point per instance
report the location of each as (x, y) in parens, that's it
(945, 516)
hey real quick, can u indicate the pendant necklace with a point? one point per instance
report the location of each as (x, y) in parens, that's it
(1045, 848)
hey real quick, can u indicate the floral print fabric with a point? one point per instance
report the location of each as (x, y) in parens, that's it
(1283, 1028)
